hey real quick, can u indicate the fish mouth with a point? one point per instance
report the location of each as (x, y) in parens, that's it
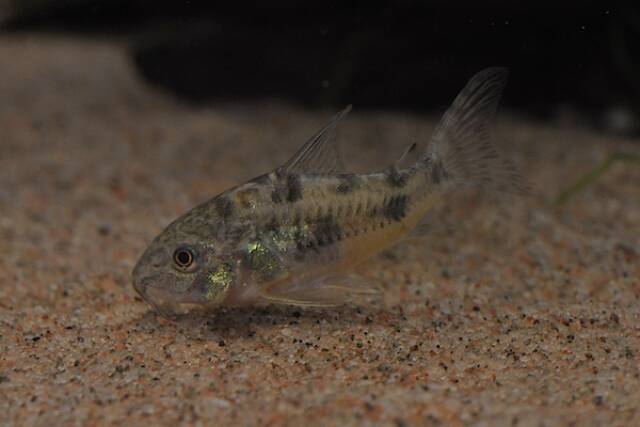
(166, 303)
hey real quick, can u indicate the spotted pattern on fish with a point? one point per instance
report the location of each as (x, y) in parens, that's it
(396, 178)
(224, 207)
(348, 183)
(327, 230)
(294, 188)
(396, 208)
(285, 236)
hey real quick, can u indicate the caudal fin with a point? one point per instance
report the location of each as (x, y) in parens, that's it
(460, 152)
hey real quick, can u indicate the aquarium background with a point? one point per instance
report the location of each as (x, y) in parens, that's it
(576, 61)
(117, 117)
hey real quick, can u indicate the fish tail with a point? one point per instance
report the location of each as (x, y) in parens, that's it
(460, 153)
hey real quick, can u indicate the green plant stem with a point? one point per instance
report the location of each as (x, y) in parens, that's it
(594, 174)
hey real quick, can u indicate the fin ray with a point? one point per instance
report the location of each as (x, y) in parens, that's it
(460, 151)
(319, 155)
(405, 154)
(328, 291)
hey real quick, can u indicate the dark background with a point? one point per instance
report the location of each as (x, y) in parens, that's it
(570, 60)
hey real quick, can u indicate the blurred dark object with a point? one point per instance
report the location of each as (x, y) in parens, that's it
(570, 61)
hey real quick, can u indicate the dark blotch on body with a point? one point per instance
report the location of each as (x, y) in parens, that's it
(327, 230)
(348, 183)
(396, 209)
(275, 196)
(396, 178)
(287, 188)
(224, 206)
(294, 188)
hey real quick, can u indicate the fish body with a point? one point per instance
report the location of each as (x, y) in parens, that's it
(291, 236)
(334, 223)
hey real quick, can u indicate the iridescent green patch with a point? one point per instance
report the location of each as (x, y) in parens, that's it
(219, 281)
(261, 259)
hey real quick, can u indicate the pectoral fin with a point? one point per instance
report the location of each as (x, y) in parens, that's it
(327, 291)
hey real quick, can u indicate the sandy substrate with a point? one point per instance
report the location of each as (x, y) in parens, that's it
(510, 312)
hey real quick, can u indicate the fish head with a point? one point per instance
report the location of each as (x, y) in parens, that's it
(185, 265)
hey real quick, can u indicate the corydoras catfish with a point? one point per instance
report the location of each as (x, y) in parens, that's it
(291, 236)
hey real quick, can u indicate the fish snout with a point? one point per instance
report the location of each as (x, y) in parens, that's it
(143, 273)
(151, 291)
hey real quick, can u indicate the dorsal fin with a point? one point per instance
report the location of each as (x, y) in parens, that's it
(319, 155)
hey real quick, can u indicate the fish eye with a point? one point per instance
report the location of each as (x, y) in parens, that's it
(184, 259)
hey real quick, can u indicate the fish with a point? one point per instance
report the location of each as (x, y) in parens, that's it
(293, 235)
